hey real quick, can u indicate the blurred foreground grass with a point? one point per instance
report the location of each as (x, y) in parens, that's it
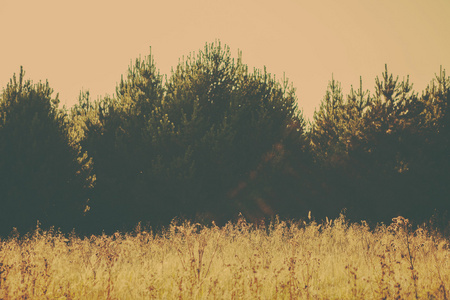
(281, 260)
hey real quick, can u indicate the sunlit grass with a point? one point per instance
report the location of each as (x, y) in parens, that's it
(282, 260)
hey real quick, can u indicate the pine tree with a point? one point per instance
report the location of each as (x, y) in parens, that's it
(116, 137)
(434, 161)
(44, 177)
(328, 134)
(232, 120)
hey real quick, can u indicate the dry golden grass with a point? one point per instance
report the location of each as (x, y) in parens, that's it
(283, 260)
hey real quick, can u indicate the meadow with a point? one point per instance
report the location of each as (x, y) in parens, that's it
(334, 259)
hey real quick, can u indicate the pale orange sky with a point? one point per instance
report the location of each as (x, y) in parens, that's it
(89, 43)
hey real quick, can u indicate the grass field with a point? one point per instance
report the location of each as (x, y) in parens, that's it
(282, 260)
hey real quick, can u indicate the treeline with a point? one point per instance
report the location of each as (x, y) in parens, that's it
(213, 140)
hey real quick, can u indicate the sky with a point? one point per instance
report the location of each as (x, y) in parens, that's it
(89, 44)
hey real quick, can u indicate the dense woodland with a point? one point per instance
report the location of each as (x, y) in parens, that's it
(215, 139)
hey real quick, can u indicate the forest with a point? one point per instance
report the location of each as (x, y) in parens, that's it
(213, 141)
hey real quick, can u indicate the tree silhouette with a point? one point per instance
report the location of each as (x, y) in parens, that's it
(41, 169)
(231, 120)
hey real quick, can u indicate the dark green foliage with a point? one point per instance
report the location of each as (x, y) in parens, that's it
(378, 153)
(116, 135)
(215, 139)
(41, 171)
(231, 120)
(434, 127)
(329, 131)
(183, 148)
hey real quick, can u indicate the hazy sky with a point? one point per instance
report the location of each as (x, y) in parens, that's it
(90, 43)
